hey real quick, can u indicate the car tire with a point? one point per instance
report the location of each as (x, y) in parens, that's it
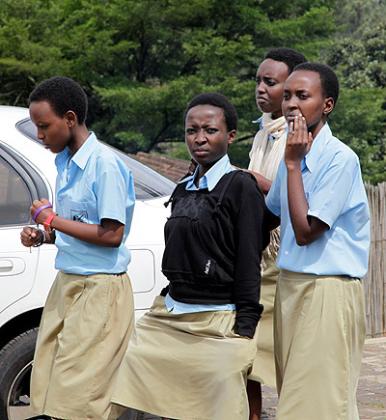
(15, 365)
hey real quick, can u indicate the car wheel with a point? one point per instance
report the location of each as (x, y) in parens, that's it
(15, 373)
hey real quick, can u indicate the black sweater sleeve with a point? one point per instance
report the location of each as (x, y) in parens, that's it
(249, 241)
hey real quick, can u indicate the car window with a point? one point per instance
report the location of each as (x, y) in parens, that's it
(15, 197)
(148, 183)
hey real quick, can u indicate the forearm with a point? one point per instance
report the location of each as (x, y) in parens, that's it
(248, 308)
(307, 229)
(247, 269)
(297, 204)
(92, 233)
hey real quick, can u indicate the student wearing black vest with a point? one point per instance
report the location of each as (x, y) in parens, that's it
(191, 353)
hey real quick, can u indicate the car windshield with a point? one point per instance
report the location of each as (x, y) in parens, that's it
(148, 183)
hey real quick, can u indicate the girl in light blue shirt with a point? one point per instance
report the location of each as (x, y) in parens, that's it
(319, 310)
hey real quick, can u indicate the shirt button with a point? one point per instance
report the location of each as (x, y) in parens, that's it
(286, 252)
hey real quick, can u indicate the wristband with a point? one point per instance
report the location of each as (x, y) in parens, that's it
(40, 209)
(41, 239)
(48, 221)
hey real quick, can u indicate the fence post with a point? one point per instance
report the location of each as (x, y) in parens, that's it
(375, 281)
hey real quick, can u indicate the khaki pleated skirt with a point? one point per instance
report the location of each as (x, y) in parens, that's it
(83, 336)
(186, 366)
(263, 370)
(319, 338)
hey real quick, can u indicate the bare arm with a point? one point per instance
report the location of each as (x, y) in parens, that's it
(307, 229)
(109, 233)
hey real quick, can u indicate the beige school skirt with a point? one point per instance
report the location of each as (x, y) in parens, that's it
(188, 366)
(83, 336)
(319, 338)
(263, 370)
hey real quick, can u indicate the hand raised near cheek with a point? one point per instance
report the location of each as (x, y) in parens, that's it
(298, 141)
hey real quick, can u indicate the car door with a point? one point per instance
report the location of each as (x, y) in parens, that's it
(19, 186)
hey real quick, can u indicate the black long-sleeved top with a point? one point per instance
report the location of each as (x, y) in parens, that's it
(213, 246)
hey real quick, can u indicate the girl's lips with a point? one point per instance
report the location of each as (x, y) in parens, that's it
(291, 117)
(199, 152)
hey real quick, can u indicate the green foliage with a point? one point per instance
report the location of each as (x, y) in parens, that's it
(359, 121)
(359, 58)
(360, 55)
(141, 61)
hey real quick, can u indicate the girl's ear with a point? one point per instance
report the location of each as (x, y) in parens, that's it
(231, 136)
(71, 119)
(328, 106)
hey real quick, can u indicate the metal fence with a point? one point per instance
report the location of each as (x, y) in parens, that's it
(375, 282)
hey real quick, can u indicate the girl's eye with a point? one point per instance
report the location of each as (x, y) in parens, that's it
(190, 131)
(270, 82)
(211, 130)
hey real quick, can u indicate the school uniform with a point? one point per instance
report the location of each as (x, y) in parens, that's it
(319, 308)
(266, 153)
(190, 354)
(88, 316)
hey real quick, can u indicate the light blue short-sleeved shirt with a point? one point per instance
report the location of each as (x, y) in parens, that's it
(209, 181)
(92, 185)
(336, 195)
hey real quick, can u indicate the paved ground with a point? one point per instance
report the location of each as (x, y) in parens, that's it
(372, 385)
(371, 390)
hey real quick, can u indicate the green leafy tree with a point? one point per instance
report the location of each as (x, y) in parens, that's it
(140, 61)
(359, 57)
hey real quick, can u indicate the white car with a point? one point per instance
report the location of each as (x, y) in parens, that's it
(27, 172)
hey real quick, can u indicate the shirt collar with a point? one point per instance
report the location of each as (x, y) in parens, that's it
(311, 159)
(82, 155)
(258, 121)
(212, 176)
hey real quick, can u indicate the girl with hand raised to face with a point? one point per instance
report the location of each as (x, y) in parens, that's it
(325, 237)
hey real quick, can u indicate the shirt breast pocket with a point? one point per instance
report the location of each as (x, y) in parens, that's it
(77, 211)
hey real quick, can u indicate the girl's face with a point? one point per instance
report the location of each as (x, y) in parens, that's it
(54, 131)
(206, 134)
(270, 78)
(303, 95)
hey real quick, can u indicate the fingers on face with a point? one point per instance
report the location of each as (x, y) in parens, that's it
(302, 126)
(295, 129)
(298, 132)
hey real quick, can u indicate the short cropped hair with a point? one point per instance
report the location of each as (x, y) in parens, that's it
(286, 55)
(220, 101)
(63, 94)
(328, 79)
